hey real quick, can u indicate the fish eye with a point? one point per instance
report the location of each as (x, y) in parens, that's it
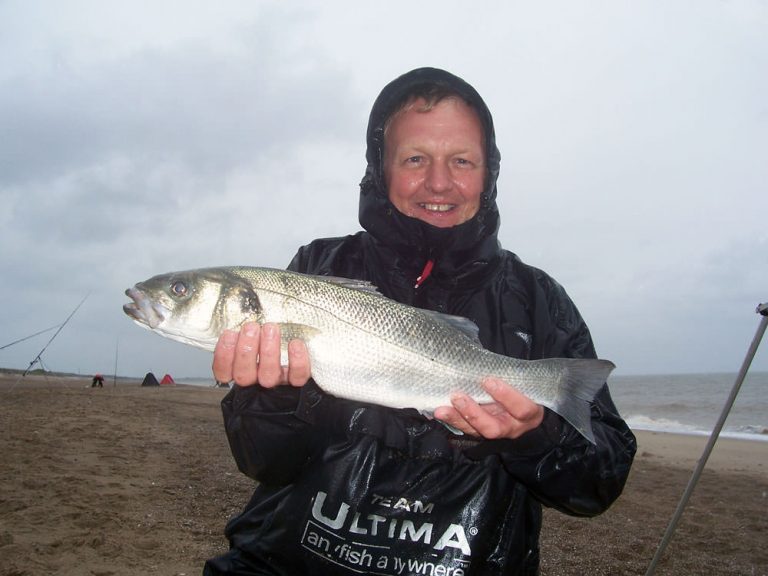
(179, 289)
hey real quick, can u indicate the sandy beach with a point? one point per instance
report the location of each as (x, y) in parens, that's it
(127, 480)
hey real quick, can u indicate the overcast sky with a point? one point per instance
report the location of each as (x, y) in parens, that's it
(138, 138)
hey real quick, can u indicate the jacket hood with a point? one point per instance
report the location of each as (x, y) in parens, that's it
(403, 233)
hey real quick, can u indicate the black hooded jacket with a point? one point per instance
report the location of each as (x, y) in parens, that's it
(346, 487)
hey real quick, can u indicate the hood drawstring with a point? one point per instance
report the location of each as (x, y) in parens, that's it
(424, 273)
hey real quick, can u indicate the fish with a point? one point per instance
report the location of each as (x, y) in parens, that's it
(362, 345)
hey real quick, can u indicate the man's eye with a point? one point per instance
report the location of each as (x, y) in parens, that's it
(413, 160)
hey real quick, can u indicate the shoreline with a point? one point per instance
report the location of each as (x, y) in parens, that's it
(683, 450)
(724, 434)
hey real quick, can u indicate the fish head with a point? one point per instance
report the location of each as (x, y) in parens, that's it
(193, 307)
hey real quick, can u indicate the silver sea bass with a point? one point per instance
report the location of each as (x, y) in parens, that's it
(362, 345)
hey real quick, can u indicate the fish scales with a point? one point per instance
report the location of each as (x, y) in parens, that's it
(362, 345)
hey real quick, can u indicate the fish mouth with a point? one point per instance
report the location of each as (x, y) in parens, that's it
(143, 310)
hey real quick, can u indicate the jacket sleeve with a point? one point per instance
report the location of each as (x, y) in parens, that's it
(273, 433)
(268, 441)
(559, 466)
(565, 471)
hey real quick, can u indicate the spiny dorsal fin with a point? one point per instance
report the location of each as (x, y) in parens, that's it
(362, 285)
(463, 325)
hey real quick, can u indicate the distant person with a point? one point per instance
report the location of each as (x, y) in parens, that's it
(346, 487)
(98, 380)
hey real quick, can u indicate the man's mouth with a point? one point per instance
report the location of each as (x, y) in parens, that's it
(437, 207)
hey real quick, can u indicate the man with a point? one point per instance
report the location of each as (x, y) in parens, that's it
(346, 487)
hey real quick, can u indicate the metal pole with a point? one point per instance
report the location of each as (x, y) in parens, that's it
(762, 309)
(114, 377)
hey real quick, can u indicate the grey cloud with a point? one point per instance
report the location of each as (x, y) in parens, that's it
(205, 110)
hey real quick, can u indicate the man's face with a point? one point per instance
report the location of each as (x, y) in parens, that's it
(434, 162)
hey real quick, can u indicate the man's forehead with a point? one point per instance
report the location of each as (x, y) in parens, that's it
(422, 105)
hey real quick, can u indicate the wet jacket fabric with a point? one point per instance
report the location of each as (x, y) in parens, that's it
(346, 487)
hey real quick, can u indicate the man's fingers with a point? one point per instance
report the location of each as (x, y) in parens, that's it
(299, 370)
(515, 403)
(477, 417)
(223, 356)
(451, 416)
(510, 415)
(245, 363)
(271, 373)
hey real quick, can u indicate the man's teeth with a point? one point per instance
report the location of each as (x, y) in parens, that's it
(437, 207)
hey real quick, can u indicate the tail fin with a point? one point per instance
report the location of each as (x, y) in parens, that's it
(581, 380)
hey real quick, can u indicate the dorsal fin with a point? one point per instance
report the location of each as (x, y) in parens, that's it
(362, 285)
(463, 325)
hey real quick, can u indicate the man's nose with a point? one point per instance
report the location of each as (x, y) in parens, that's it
(439, 177)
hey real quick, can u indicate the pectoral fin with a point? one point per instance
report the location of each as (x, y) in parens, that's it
(292, 331)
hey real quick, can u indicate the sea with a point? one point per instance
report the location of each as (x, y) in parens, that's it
(684, 403)
(693, 403)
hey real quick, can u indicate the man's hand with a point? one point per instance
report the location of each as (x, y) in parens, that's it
(252, 356)
(510, 416)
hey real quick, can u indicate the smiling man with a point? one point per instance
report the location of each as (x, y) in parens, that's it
(347, 487)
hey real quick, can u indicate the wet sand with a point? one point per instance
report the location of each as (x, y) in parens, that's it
(127, 480)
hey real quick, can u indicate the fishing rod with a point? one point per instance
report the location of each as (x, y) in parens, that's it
(762, 309)
(28, 337)
(38, 357)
